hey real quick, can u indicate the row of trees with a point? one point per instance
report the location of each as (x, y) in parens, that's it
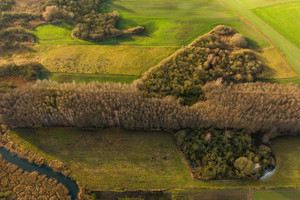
(208, 58)
(255, 107)
(217, 154)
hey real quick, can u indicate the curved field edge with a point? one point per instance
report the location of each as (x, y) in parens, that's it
(118, 168)
(290, 51)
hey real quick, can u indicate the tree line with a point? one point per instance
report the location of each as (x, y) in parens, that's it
(272, 109)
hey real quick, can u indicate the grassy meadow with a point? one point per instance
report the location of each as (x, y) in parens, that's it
(79, 78)
(108, 159)
(96, 59)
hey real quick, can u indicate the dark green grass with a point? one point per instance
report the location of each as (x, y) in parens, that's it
(281, 80)
(79, 78)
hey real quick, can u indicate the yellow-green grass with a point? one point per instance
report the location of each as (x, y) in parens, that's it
(125, 60)
(276, 195)
(59, 33)
(276, 64)
(262, 3)
(288, 48)
(284, 18)
(114, 159)
(78, 78)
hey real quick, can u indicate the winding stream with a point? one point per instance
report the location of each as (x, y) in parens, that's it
(43, 170)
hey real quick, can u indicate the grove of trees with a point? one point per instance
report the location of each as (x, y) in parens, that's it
(218, 54)
(218, 154)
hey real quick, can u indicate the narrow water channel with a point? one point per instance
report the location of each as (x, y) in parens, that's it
(43, 170)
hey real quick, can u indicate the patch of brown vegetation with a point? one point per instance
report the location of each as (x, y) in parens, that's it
(24, 185)
(28, 6)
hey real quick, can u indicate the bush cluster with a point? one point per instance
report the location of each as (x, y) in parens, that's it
(208, 58)
(24, 185)
(28, 71)
(216, 154)
(6, 5)
(90, 25)
(14, 37)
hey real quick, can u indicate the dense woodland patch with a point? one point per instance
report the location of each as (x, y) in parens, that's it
(225, 154)
(222, 53)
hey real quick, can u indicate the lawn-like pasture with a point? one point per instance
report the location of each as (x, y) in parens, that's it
(79, 78)
(284, 18)
(288, 48)
(112, 158)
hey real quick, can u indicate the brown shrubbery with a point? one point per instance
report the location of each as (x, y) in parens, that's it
(28, 70)
(208, 58)
(254, 107)
(24, 185)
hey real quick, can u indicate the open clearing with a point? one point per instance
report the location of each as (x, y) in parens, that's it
(108, 159)
(97, 59)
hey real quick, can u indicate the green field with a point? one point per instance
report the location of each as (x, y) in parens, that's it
(284, 18)
(290, 51)
(108, 159)
(79, 78)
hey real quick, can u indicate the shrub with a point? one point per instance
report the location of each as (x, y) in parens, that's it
(238, 40)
